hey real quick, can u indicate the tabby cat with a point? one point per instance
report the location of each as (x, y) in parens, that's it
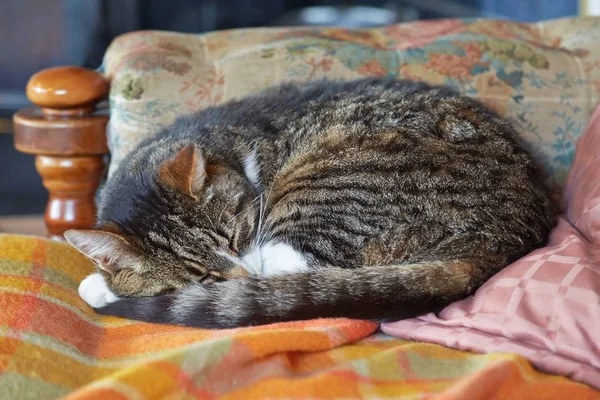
(373, 199)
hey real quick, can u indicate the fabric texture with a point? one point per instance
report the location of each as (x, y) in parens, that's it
(52, 345)
(545, 306)
(545, 76)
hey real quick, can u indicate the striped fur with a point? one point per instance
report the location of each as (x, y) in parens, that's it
(401, 198)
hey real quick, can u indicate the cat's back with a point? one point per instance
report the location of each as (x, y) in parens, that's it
(292, 106)
(320, 98)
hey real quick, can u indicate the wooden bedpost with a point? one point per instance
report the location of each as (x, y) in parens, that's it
(67, 133)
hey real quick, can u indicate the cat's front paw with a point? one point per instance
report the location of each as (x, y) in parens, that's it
(94, 291)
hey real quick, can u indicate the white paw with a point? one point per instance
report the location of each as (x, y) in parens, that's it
(94, 291)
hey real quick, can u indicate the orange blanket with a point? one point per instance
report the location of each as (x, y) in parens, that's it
(53, 345)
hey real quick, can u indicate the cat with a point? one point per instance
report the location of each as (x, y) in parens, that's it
(374, 199)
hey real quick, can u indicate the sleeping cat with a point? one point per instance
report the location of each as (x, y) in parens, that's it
(371, 199)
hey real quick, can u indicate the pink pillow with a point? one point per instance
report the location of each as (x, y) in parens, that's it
(545, 306)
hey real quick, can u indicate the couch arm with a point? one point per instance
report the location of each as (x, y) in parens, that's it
(66, 131)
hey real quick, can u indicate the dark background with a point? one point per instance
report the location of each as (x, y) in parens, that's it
(36, 34)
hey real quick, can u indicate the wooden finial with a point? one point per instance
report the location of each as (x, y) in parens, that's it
(67, 134)
(67, 90)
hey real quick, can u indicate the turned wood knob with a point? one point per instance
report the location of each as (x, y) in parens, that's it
(64, 88)
(67, 124)
(67, 134)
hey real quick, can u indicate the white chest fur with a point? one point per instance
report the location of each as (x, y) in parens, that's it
(274, 259)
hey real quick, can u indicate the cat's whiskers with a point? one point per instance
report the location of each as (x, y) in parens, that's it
(259, 240)
(263, 209)
(221, 215)
(209, 220)
(259, 231)
(281, 199)
(244, 210)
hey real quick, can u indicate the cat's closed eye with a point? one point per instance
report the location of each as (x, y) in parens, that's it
(210, 278)
(200, 275)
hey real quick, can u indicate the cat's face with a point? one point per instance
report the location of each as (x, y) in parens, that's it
(167, 224)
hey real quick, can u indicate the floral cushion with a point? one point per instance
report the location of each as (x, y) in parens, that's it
(545, 76)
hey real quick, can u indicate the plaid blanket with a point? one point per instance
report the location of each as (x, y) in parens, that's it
(52, 345)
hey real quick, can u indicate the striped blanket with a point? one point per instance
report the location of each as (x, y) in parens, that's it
(52, 345)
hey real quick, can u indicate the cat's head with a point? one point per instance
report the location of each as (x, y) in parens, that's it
(168, 217)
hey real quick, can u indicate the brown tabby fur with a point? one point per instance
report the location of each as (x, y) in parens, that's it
(404, 197)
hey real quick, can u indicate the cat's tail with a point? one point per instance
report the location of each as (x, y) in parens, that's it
(375, 293)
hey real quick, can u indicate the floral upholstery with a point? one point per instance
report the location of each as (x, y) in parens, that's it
(545, 76)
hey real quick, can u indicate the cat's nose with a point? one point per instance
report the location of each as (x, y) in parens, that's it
(236, 272)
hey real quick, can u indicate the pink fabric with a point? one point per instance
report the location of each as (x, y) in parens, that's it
(545, 306)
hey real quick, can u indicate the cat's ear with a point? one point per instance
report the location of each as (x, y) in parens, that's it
(186, 171)
(110, 251)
